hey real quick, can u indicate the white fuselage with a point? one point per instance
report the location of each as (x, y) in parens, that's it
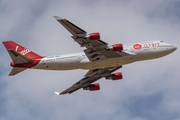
(147, 50)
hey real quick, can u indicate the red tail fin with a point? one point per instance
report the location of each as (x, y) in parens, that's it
(10, 45)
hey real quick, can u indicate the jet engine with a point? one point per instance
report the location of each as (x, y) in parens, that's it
(115, 76)
(93, 87)
(94, 36)
(117, 47)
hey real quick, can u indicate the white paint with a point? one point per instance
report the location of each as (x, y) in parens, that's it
(17, 48)
(80, 60)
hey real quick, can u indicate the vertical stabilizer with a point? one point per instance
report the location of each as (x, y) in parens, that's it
(22, 57)
(10, 45)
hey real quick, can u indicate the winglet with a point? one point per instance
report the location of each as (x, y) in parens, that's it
(57, 18)
(57, 93)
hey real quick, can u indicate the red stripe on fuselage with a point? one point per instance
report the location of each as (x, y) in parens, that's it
(26, 65)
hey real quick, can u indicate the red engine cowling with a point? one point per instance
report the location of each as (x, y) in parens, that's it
(117, 47)
(116, 76)
(93, 87)
(94, 36)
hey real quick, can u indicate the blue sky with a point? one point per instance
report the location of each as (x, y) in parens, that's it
(149, 90)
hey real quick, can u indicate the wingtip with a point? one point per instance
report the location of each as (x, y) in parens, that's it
(57, 93)
(57, 18)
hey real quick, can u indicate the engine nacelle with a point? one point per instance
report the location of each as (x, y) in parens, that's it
(116, 76)
(117, 47)
(93, 87)
(94, 36)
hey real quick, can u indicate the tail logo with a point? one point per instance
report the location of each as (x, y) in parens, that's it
(23, 52)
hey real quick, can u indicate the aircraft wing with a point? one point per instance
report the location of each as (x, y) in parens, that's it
(90, 77)
(73, 29)
(95, 49)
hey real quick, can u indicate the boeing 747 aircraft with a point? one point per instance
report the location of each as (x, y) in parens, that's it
(99, 58)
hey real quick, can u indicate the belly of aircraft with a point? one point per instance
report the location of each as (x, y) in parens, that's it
(84, 63)
(111, 62)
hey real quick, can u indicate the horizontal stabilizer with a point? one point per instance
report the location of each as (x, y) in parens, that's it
(19, 58)
(16, 70)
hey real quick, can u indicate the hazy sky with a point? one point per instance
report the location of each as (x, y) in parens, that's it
(149, 90)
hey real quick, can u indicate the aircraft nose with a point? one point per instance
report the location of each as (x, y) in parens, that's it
(172, 49)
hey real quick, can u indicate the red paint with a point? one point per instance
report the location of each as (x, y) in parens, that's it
(10, 45)
(12, 64)
(158, 44)
(117, 47)
(145, 45)
(94, 36)
(26, 65)
(151, 44)
(93, 87)
(117, 76)
(137, 46)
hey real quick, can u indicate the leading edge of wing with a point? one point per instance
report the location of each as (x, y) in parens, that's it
(72, 28)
